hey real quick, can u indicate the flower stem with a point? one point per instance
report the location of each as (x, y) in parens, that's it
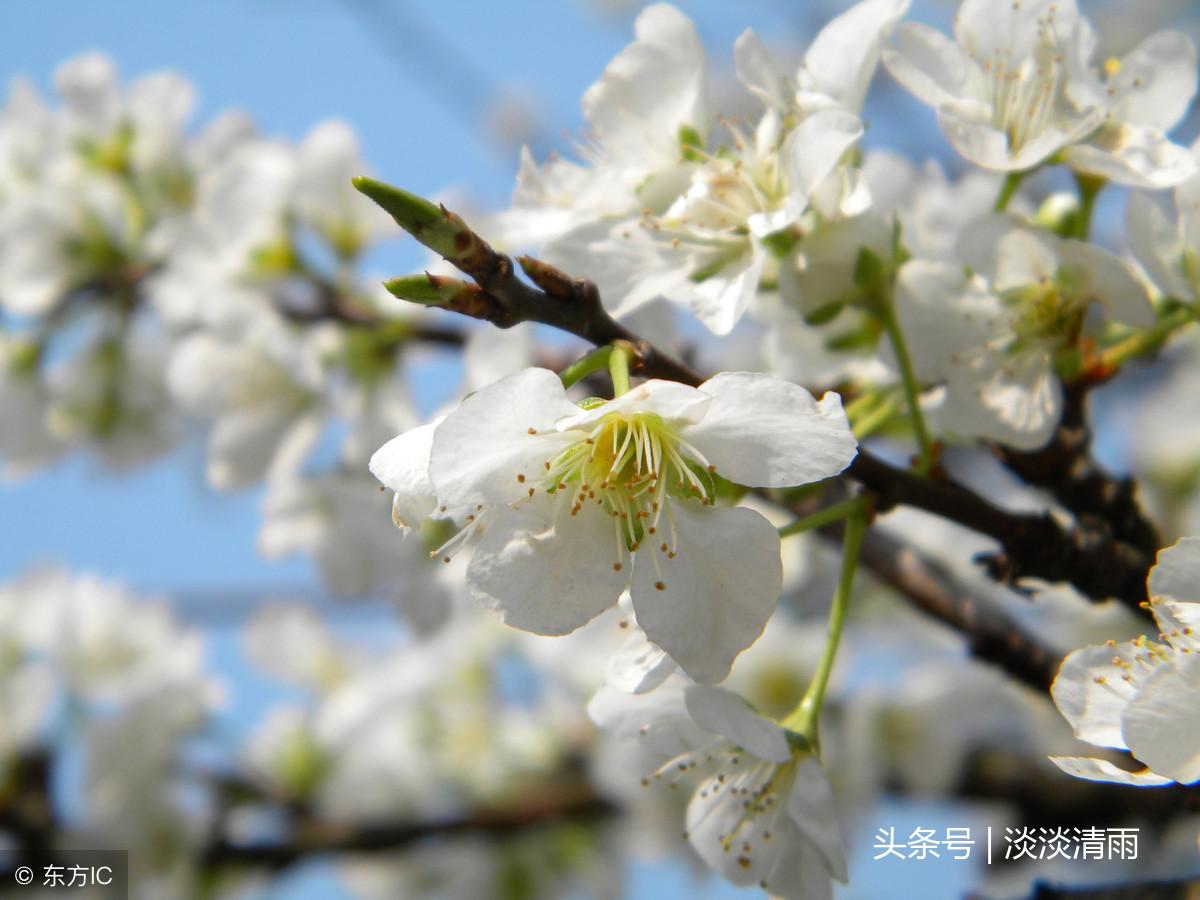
(912, 389)
(1147, 341)
(867, 425)
(618, 368)
(805, 717)
(1089, 190)
(593, 361)
(822, 517)
(1008, 190)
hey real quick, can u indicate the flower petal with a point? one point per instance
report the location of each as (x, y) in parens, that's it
(676, 403)
(1103, 770)
(811, 807)
(762, 431)
(725, 713)
(481, 447)
(1176, 574)
(1091, 693)
(546, 576)
(929, 64)
(638, 666)
(711, 600)
(402, 465)
(1162, 723)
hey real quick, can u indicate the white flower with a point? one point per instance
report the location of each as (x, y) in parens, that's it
(707, 249)
(293, 644)
(990, 338)
(1000, 90)
(327, 518)
(1168, 245)
(762, 811)
(1018, 87)
(653, 91)
(113, 398)
(570, 505)
(75, 228)
(1144, 95)
(26, 443)
(325, 199)
(106, 643)
(261, 389)
(1142, 695)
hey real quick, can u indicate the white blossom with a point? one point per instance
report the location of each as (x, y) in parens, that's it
(570, 505)
(1142, 695)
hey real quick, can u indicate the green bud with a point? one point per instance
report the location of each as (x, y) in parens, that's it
(434, 226)
(432, 290)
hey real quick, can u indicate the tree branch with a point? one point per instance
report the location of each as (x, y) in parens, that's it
(1034, 546)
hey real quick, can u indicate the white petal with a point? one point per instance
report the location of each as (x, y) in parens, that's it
(1133, 156)
(1018, 405)
(1112, 283)
(481, 447)
(800, 874)
(1095, 707)
(1103, 770)
(967, 125)
(755, 70)
(725, 713)
(717, 592)
(942, 313)
(1153, 241)
(1176, 574)
(762, 431)
(1157, 80)
(811, 807)
(402, 465)
(638, 666)
(929, 64)
(1162, 723)
(842, 58)
(677, 404)
(817, 145)
(544, 576)
(651, 88)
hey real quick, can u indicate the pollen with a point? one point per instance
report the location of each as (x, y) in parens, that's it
(631, 465)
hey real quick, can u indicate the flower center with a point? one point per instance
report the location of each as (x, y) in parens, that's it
(630, 464)
(1049, 315)
(1024, 92)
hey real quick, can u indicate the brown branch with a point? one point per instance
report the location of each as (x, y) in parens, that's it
(1066, 468)
(1180, 889)
(311, 838)
(1034, 546)
(992, 635)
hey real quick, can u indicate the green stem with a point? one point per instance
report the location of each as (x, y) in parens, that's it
(1089, 190)
(1008, 190)
(594, 361)
(876, 419)
(806, 715)
(1149, 340)
(618, 368)
(822, 517)
(912, 390)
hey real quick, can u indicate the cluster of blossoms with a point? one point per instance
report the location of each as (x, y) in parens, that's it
(151, 277)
